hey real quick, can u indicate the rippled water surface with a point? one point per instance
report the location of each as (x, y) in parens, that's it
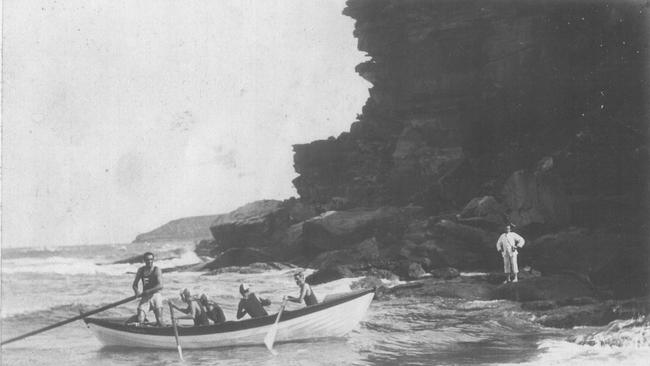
(41, 287)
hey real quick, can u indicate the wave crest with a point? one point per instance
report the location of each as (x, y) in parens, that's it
(77, 266)
(619, 333)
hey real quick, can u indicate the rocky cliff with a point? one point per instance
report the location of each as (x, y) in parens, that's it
(188, 228)
(481, 113)
(467, 92)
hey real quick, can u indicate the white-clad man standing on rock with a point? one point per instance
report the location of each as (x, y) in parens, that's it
(507, 245)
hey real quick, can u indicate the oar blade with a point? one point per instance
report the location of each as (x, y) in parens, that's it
(270, 338)
(273, 331)
(180, 352)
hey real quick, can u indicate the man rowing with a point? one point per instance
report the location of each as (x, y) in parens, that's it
(212, 309)
(151, 277)
(306, 293)
(250, 304)
(193, 311)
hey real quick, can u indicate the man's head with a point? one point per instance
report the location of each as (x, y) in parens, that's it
(203, 299)
(244, 289)
(508, 228)
(185, 294)
(299, 277)
(148, 259)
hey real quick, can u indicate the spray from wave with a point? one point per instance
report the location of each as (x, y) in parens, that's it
(634, 333)
(79, 266)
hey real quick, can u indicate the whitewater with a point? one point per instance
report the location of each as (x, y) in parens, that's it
(41, 286)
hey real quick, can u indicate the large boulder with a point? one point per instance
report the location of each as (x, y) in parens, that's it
(462, 246)
(341, 229)
(575, 249)
(537, 197)
(615, 262)
(257, 224)
(239, 257)
(485, 212)
(360, 255)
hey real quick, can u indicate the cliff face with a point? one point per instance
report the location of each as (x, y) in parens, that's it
(188, 228)
(467, 92)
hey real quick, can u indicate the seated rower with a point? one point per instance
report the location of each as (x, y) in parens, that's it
(250, 304)
(194, 311)
(212, 309)
(306, 293)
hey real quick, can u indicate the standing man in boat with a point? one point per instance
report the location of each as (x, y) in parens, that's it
(250, 304)
(306, 293)
(151, 277)
(507, 245)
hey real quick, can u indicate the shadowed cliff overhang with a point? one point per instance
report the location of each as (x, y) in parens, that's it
(467, 92)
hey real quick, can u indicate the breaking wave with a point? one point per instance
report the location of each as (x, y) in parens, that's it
(629, 333)
(77, 266)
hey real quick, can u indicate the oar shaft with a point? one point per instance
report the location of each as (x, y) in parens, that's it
(80, 316)
(178, 342)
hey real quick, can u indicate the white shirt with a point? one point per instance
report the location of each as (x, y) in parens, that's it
(509, 242)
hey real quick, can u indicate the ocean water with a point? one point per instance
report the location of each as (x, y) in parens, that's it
(47, 285)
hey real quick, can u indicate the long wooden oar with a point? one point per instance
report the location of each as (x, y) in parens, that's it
(273, 331)
(80, 316)
(178, 342)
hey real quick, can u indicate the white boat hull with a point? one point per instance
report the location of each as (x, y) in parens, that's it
(332, 321)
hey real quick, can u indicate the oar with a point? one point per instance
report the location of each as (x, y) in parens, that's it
(80, 316)
(273, 331)
(178, 342)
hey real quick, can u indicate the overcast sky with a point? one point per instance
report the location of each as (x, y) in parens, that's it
(119, 116)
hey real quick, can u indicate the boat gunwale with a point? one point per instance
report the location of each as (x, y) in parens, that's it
(228, 326)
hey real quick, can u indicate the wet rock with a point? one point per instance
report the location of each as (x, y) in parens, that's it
(445, 273)
(555, 287)
(239, 257)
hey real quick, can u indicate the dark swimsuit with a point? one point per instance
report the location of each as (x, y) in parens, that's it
(251, 306)
(147, 282)
(215, 313)
(310, 299)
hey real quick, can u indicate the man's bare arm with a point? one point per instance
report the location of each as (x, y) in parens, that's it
(138, 276)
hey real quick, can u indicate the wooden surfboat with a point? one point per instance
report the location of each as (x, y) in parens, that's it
(334, 317)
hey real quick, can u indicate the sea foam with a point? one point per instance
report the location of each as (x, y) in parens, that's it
(77, 266)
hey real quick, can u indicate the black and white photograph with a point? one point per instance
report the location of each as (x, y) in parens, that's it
(325, 182)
